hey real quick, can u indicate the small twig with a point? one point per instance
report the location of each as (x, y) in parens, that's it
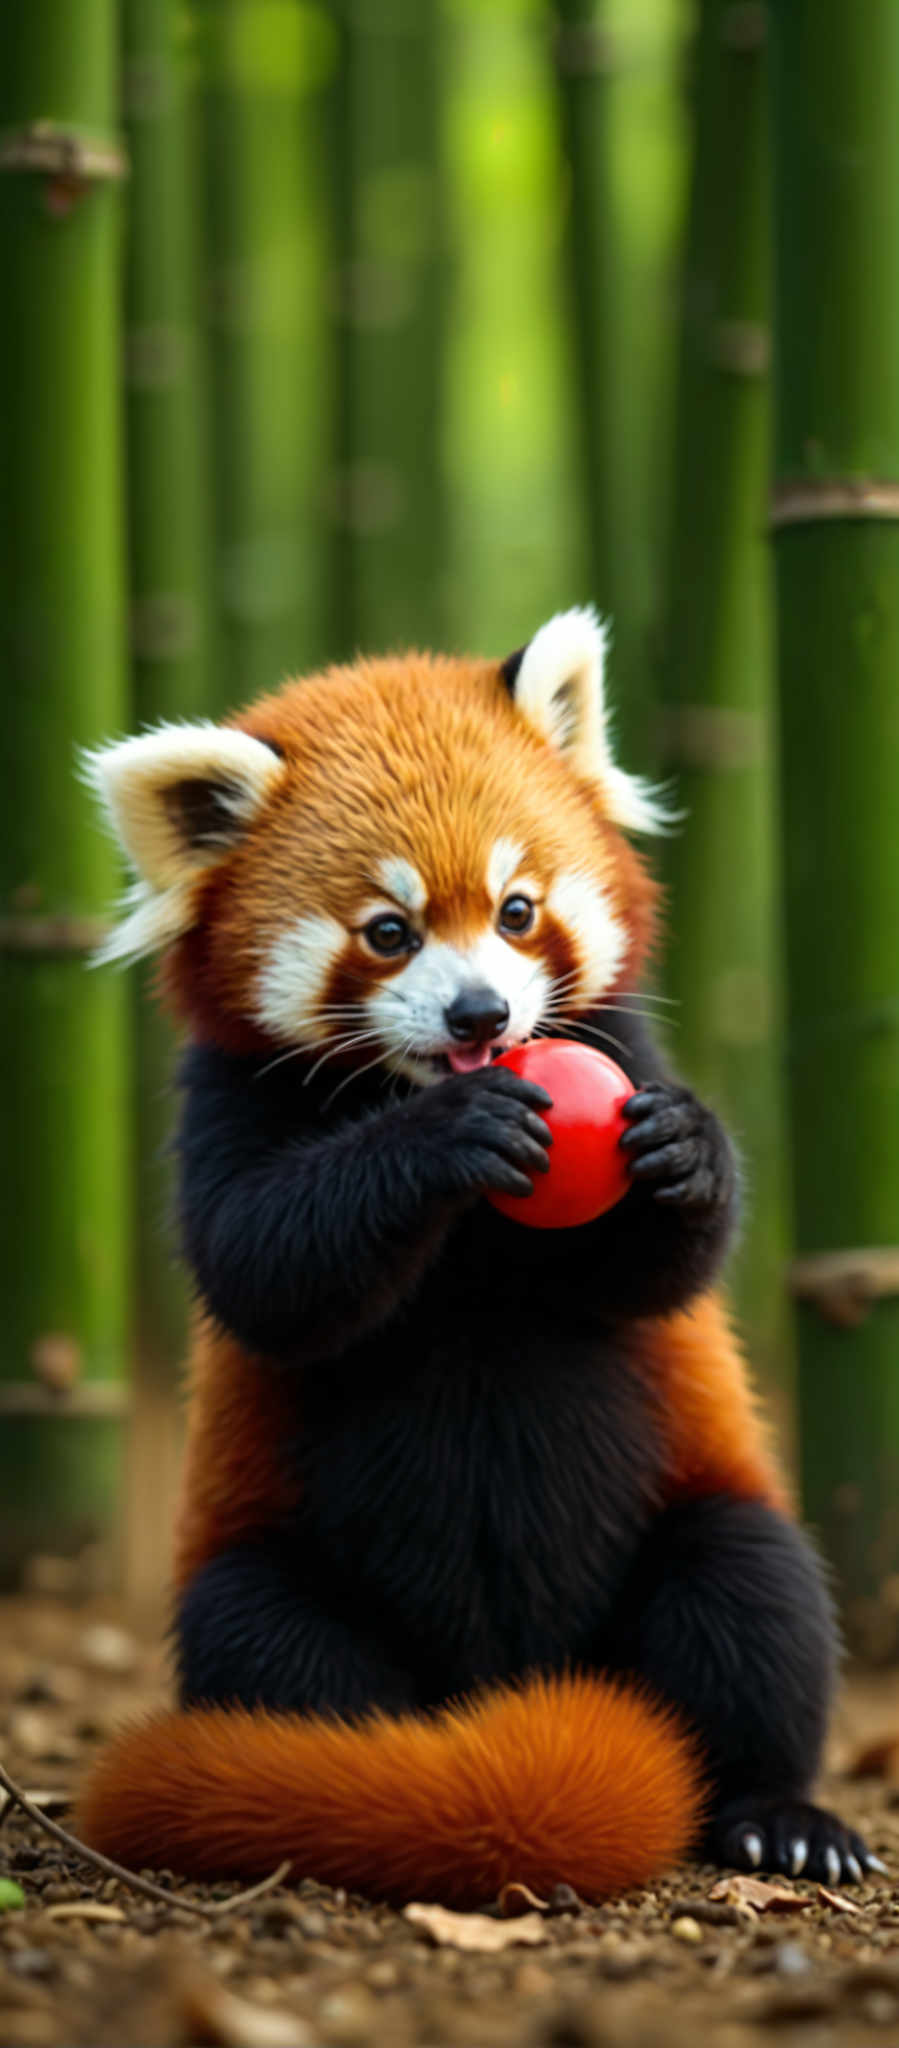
(211, 1911)
(255, 1891)
(715, 1911)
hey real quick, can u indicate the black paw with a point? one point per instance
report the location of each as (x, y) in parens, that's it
(677, 1149)
(790, 1838)
(483, 1130)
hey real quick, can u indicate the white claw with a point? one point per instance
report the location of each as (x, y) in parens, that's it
(798, 1856)
(854, 1868)
(753, 1847)
(874, 1863)
(833, 1865)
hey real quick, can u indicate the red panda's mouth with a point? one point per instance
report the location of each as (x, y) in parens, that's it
(468, 1059)
(464, 1059)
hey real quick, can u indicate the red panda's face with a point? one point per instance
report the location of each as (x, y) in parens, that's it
(400, 863)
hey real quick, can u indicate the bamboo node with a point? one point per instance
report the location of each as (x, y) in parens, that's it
(741, 346)
(583, 49)
(164, 626)
(368, 497)
(744, 25)
(94, 1400)
(68, 153)
(711, 735)
(844, 1285)
(56, 1361)
(52, 934)
(802, 502)
(156, 356)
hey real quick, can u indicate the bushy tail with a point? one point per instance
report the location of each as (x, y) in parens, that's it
(571, 1779)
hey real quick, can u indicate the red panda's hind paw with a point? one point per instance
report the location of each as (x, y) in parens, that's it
(790, 1838)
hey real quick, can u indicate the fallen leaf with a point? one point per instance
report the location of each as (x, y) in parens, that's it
(475, 1931)
(837, 1900)
(12, 1897)
(878, 1759)
(517, 1898)
(84, 1909)
(761, 1896)
(216, 2016)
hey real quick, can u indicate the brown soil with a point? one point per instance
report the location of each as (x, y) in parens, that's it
(87, 1962)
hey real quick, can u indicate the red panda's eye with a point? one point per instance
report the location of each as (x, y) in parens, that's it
(516, 914)
(390, 934)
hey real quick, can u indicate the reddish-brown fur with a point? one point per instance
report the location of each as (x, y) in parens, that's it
(716, 1439)
(235, 1481)
(570, 1777)
(368, 749)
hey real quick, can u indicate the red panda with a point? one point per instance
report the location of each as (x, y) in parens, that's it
(484, 1565)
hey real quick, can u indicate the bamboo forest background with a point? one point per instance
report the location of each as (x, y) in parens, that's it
(414, 321)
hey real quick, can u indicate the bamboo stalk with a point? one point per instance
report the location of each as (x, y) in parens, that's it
(389, 494)
(64, 1032)
(263, 64)
(617, 99)
(723, 950)
(836, 548)
(169, 515)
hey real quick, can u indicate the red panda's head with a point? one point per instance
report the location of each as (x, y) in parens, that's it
(409, 860)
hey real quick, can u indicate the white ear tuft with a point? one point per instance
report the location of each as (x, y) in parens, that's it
(559, 688)
(178, 798)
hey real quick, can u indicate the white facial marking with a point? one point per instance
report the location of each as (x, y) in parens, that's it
(293, 979)
(506, 859)
(410, 1011)
(403, 882)
(582, 907)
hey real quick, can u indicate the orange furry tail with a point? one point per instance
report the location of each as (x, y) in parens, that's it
(571, 1779)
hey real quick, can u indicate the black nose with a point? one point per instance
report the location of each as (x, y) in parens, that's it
(476, 1015)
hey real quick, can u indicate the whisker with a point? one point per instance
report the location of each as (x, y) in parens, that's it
(647, 995)
(590, 1031)
(293, 1053)
(357, 1072)
(346, 1044)
(339, 1013)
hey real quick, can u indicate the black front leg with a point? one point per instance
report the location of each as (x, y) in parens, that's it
(726, 1616)
(249, 1633)
(684, 1199)
(665, 1241)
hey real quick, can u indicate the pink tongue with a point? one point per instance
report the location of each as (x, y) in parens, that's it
(466, 1059)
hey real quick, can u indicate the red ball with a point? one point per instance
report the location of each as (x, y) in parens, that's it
(588, 1172)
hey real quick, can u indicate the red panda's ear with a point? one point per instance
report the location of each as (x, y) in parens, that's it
(557, 683)
(178, 799)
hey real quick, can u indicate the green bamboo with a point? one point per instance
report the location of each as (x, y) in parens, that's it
(836, 546)
(616, 67)
(722, 950)
(64, 1045)
(515, 546)
(389, 493)
(169, 531)
(263, 65)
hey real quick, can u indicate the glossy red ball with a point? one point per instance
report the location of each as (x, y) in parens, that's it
(588, 1172)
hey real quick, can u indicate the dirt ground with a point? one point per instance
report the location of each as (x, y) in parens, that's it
(86, 1962)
